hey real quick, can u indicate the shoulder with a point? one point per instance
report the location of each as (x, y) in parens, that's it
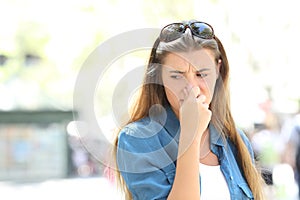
(140, 136)
(145, 146)
(142, 128)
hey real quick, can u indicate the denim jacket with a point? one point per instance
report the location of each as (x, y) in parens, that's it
(147, 153)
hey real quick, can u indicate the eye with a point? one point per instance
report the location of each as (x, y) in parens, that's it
(176, 76)
(201, 75)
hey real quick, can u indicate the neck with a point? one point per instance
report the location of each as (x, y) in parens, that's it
(204, 144)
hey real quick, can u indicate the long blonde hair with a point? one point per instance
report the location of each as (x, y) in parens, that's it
(153, 92)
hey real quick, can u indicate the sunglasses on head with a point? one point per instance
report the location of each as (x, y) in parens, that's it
(175, 30)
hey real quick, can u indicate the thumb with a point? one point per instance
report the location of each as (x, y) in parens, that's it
(196, 91)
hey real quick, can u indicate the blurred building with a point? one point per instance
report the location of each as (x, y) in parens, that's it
(35, 146)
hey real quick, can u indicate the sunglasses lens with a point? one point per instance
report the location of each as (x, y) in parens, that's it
(171, 32)
(202, 30)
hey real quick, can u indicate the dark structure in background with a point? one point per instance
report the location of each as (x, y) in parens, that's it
(3, 59)
(35, 146)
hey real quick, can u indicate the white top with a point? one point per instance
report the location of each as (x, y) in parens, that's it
(213, 183)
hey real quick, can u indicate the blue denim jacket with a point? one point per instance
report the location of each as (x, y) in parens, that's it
(147, 153)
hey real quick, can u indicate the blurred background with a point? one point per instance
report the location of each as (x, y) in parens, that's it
(43, 45)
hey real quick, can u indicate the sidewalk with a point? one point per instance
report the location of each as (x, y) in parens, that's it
(73, 189)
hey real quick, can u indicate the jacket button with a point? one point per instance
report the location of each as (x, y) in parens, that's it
(231, 177)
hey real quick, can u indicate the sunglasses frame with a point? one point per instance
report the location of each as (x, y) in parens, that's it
(189, 25)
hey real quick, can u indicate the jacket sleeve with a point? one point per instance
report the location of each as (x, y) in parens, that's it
(144, 165)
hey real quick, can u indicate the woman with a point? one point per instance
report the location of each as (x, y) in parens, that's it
(181, 141)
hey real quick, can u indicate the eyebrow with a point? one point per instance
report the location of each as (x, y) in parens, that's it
(182, 72)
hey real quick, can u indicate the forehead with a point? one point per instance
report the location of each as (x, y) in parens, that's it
(198, 59)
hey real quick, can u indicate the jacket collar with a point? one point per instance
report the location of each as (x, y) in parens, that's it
(172, 124)
(169, 121)
(215, 137)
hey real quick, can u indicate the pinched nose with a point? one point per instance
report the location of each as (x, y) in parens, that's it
(191, 81)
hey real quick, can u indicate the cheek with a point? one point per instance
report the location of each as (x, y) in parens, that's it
(207, 88)
(173, 100)
(174, 94)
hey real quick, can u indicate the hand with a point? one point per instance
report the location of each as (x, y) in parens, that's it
(194, 115)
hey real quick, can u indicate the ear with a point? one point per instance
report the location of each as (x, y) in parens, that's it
(219, 64)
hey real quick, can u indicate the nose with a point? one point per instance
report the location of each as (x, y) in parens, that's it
(191, 80)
